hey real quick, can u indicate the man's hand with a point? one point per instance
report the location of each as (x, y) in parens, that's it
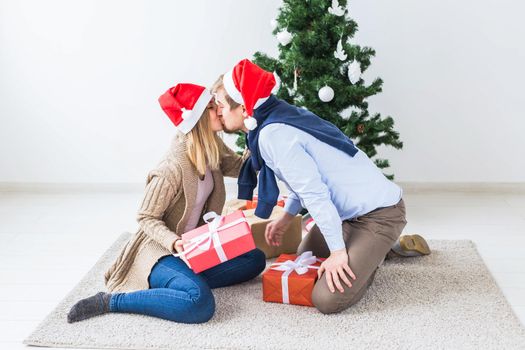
(335, 267)
(275, 229)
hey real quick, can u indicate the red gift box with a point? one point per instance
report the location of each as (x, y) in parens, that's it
(221, 239)
(291, 279)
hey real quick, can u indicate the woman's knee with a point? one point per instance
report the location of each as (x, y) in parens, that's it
(201, 307)
(258, 260)
(195, 305)
(204, 309)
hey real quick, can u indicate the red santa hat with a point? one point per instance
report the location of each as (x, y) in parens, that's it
(184, 105)
(249, 85)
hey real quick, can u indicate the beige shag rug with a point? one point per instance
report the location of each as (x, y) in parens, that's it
(447, 300)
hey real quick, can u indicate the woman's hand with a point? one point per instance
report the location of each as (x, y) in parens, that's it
(275, 230)
(336, 267)
(178, 246)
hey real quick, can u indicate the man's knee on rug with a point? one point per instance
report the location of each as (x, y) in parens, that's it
(328, 302)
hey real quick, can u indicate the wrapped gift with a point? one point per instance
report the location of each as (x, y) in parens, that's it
(291, 239)
(291, 279)
(308, 223)
(221, 239)
(253, 203)
(233, 205)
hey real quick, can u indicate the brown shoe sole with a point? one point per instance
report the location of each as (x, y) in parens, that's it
(414, 243)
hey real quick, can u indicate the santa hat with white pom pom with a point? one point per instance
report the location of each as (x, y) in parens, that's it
(184, 105)
(249, 85)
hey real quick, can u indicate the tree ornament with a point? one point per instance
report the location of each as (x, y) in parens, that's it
(340, 52)
(326, 93)
(336, 10)
(354, 71)
(342, 68)
(346, 114)
(284, 37)
(295, 76)
(273, 24)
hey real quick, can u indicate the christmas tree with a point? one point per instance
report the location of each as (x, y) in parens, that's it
(320, 69)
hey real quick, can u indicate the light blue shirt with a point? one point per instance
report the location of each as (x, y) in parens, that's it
(331, 184)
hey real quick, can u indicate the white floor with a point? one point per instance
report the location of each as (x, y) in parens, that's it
(49, 241)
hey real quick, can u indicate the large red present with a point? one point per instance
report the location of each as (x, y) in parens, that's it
(291, 279)
(221, 239)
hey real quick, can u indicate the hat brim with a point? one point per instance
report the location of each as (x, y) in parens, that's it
(196, 113)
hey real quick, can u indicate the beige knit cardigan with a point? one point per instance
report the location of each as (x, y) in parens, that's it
(171, 191)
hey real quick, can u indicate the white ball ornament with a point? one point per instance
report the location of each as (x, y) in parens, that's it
(284, 37)
(326, 93)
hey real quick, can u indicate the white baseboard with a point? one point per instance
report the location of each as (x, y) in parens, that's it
(408, 187)
(7, 187)
(464, 187)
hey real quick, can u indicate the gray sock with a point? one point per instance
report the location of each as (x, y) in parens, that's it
(95, 305)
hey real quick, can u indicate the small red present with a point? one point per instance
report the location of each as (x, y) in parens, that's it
(253, 203)
(291, 279)
(221, 239)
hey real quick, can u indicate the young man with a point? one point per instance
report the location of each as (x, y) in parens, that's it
(359, 213)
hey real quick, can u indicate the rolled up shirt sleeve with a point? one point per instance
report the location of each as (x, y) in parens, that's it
(284, 153)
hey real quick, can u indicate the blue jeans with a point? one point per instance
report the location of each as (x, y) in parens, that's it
(178, 294)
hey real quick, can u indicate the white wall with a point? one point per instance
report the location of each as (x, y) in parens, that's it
(79, 82)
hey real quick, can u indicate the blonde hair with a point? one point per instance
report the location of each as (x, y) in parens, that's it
(202, 145)
(219, 85)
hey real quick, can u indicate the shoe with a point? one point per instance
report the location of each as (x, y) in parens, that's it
(411, 245)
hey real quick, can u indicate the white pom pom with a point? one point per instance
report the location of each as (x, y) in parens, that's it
(186, 113)
(250, 123)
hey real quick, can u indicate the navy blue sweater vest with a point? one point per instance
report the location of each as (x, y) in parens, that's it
(271, 111)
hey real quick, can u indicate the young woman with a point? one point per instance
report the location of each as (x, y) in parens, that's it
(147, 278)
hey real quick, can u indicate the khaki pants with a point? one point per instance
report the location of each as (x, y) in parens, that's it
(368, 239)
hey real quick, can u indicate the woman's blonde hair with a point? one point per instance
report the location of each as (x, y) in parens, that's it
(203, 145)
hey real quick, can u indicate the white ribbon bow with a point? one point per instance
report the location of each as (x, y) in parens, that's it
(300, 265)
(203, 241)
